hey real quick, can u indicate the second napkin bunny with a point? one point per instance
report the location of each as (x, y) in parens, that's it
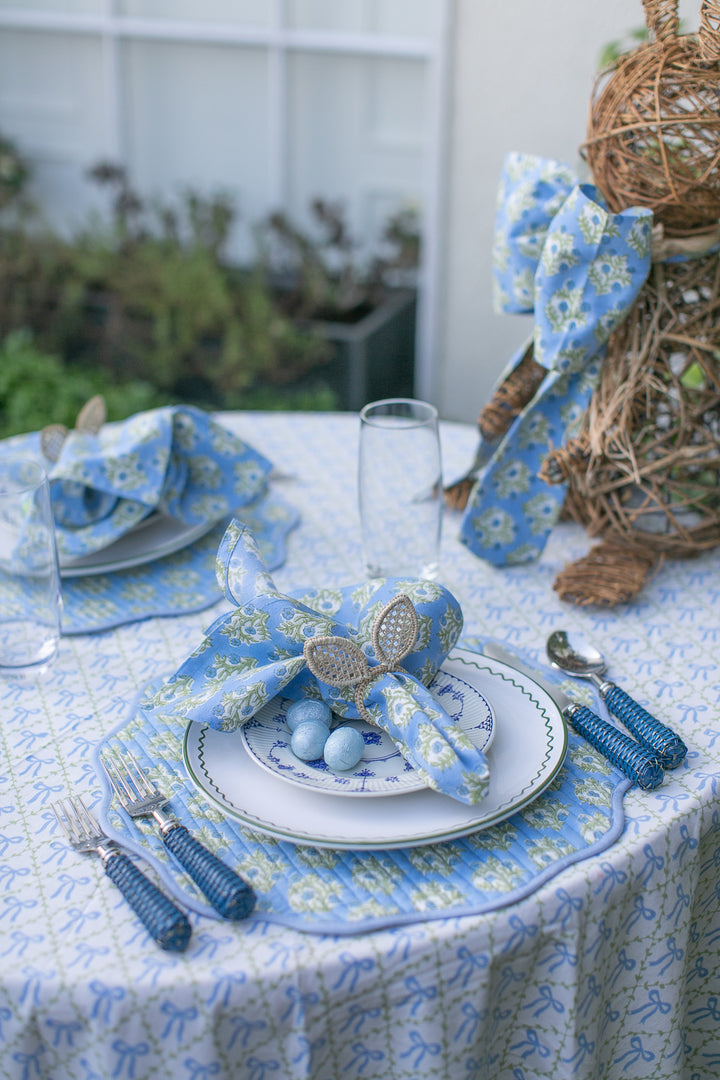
(176, 460)
(256, 651)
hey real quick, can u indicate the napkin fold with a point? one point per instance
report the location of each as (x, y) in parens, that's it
(257, 650)
(176, 460)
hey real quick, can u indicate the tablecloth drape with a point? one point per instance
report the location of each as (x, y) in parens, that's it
(610, 969)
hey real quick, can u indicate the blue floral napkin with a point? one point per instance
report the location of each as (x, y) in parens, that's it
(260, 648)
(562, 255)
(175, 460)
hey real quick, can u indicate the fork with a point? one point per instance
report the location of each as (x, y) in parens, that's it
(165, 922)
(232, 897)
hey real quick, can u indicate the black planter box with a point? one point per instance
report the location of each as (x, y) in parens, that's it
(375, 356)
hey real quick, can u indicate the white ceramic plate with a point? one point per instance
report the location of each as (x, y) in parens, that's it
(526, 753)
(152, 538)
(383, 770)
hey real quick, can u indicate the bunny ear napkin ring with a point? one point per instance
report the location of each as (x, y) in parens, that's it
(340, 662)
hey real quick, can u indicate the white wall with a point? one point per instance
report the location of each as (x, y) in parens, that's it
(523, 71)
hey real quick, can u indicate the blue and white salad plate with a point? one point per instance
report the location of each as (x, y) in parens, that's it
(383, 770)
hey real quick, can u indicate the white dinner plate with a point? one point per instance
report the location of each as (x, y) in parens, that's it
(383, 770)
(527, 751)
(152, 538)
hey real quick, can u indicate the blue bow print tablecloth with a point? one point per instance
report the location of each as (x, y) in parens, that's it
(561, 254)
(606, 965)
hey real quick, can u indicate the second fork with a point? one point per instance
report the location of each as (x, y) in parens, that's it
(232, 897)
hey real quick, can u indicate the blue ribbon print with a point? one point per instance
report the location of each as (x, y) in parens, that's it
(581, 272)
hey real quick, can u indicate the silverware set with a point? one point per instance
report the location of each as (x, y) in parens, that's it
(229, 894)
(644, 757)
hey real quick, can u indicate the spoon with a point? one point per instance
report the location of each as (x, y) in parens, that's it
(583, 660)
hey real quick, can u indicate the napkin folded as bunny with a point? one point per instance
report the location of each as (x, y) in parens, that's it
(258, 650)
(176, 460)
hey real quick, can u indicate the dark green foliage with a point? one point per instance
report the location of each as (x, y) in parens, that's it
(143, 306)
(36, 387)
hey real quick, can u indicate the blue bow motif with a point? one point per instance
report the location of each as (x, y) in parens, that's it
(260, 649)
(561, 254)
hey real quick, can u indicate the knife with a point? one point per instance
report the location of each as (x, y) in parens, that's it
(634, 760)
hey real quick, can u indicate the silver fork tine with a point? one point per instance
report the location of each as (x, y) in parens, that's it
(164, 920)
(139, 797)
(139, 777)
(119, 782)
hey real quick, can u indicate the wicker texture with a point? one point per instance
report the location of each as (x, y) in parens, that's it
(653, 136)
(646, 465)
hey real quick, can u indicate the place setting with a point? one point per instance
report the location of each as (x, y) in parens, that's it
(354, 721)
(138, 507)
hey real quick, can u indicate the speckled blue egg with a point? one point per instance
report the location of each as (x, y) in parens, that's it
(308, 709)
(344, 749)
(308, 740)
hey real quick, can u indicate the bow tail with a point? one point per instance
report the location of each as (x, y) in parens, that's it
(592, 266)
(439, 750)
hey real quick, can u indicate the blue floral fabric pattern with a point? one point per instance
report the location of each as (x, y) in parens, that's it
(589, 266)
(176, 460)
(254, 652)
(531, 192)
(176, 584)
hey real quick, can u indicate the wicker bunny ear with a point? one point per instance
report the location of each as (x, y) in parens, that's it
(52, 438)
(709, 31)
(336, 661)
(661, 17)
(92, 416)
(395, 630)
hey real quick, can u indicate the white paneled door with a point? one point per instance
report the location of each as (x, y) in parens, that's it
(274, 102)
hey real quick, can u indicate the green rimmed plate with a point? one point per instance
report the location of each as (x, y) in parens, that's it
(528, 749)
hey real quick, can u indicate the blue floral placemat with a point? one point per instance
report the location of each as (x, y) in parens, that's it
(346, 892)
(176, 584)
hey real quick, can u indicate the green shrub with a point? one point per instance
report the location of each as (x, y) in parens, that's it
(36, 389)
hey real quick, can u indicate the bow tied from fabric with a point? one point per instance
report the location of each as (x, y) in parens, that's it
(588, 266)
(259, 650)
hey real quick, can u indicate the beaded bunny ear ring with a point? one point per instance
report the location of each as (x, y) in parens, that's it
(340, 662)
(91, 418)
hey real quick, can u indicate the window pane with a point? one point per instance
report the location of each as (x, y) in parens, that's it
(243, 12)
(52, 105)
(197, 117)
(357, 133)
(412, 18)
(66, 7)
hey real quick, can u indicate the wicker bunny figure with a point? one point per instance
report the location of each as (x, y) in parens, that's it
(644, 472)
(642, 468)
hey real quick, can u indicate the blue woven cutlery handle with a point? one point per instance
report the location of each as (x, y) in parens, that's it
(635, 761)
(165, 922)
(226, 890)
(669, 747)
